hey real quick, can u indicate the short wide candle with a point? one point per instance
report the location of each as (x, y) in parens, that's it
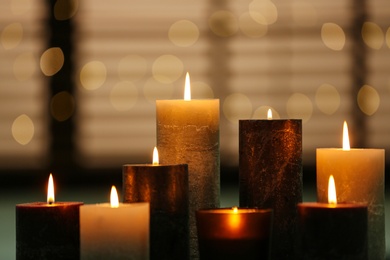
(108, 232)
(235, 233)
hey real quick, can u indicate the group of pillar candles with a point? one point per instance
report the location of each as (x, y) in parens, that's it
(170, 207)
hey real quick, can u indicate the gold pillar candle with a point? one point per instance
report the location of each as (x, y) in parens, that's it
(360, 178)
(270, 176)
(165, 187)
(188, 132)
(48, 230)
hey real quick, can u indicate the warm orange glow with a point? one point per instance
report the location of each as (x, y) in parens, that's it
(155, 156)
(50, 190)
(234, 219)
(332, 199)
(187, 88)
(235, 210)
(346, 145)
(269, 114)
(114, 198)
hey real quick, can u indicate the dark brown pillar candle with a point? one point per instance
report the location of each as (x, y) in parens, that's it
(232, 234)
(270, 176)
(48, 231)
(333, 231)
(165, 187)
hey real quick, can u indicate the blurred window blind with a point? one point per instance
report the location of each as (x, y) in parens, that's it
(296, 57)
(23, 94)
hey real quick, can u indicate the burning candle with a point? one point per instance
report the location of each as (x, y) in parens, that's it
(165, 187)
(332, 230)
(360, 175)
(236, 233)
(48, 230)
(188, 132)
(270, 174)
(114, 230)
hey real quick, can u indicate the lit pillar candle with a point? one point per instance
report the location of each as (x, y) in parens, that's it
(270, 175)
(333, 230)
(188, 132)
(165, 187)
(48, 230)
(360, 175)
(236, 233)
(114, 230)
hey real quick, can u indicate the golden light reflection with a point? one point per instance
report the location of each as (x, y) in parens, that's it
(183, 33)
(372, 35)
(23, 129)
(368, 100)
(332, 198)
(50, 190)
(346, 145)
(93, 75)
(11, 35)
(333, 36)
(155, 156)
(167, 68)
(52, 61)
(237, 106)
(234, 219)
(114, 200)
(263, 11)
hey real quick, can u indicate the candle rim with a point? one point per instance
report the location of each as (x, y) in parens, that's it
(37, 204)
(192, 99)
(151, 165)
(339, 205)
(351, 149)
(240, 210)
(121, 205)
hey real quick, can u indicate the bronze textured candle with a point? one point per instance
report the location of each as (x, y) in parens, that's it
(188, 132)
(270, 176)
(48, 230)
(236, 233)
(165, 187)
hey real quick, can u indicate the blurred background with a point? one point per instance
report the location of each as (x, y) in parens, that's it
(79, 80)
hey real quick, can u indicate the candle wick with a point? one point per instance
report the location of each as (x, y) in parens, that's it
(50, 202)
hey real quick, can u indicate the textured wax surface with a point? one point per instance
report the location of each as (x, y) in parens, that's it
(270, 162)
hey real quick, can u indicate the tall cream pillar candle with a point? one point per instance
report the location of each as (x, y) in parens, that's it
(188, 132)
(360, 175)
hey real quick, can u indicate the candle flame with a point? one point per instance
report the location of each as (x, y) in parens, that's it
(50, 190)
(114, 197)
(332, 198)
(187, 88)
(155, 156)
(346, 145)
(235, 210)
(269, 114)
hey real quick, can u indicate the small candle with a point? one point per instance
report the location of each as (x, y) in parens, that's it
(188, 132)
(165, 187)
(235, 233)
(360, 175)
(114, 230)
(331, 230)
(270, 175)
(48, 230)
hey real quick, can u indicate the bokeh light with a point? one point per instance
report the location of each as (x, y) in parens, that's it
(167, 68)
(11, 35)
(333, 36)
(93, 75)
(262, 113)
(132, 68)
(327, 99)
(23, 129)
(263, 11)
(123, 96)
(237, 106)
(201, 90)
(223, 23)
(154, 90)
(368, 100)
(52, 61)
(372, 35)
(250, 27)
(183, 33)
(62, 106)
(65, 9)
(388, 37)
(299, 106)
(25, 65)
